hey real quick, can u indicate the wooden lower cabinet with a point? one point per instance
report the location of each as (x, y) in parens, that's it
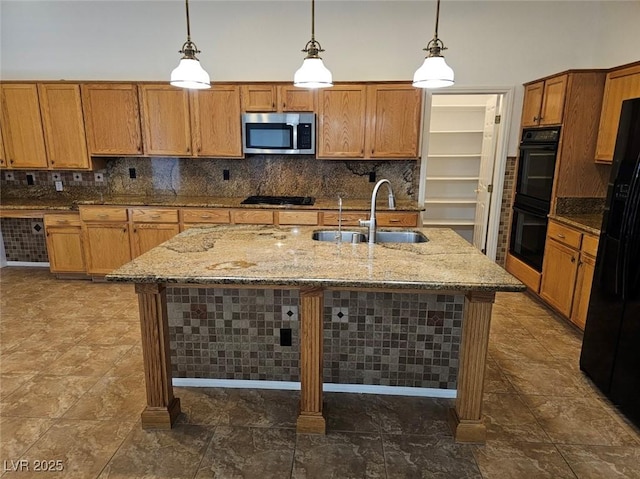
(559, 276)
(582, 292)
(106, 246)
(64, 243)
(567, 271)
(145, 236)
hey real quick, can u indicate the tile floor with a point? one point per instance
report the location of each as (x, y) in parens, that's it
(72, 390)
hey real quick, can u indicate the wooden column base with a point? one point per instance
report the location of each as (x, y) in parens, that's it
(467, 431)
(311, 424)
(161, 417)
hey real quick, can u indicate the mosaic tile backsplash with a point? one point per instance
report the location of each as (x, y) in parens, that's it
(392, 339)
(24, 239)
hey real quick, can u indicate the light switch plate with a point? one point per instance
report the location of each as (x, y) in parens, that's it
(59, 185)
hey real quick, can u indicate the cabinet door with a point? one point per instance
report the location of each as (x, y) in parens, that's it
(22, 126)
(620, 85)
(64, 247)
(258, 98)
(583, 290)
(394, 121)
(292, 98)
(559, 276)
(215, 116)
(112, 118)
(146, 236)
(341, 121)
(532, 104)
(553, 100)
(165, 120)
(106, 246)
(63, 123)
(3, 158)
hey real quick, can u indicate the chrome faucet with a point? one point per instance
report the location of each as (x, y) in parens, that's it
(371, 222)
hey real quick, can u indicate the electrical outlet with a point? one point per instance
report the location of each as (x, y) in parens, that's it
(59, 185)
(56, 176)
(8, 175)
(285, 337)
(289, 313)
(225, 175)
(30, 179)
(98, 177)
(77, 177)
(372, 177)
(132, 173)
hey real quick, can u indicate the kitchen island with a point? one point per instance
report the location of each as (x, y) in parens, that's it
(271, 257)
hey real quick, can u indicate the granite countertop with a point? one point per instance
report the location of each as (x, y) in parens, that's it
(194, 201)
(269, 255)
(591, 223)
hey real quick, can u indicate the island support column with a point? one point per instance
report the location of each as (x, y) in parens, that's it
(310, 419)
(466, 418)
(162, 408)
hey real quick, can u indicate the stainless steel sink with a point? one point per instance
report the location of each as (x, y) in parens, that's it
(400, 237)
(381, 236)
(344, 236)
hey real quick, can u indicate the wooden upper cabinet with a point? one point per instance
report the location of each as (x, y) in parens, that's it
(292, 98)
(532, 104)
(342, 121)
(620, 85)
(112, 118)
(544, 102)
(215, 120)
(3, 158)
(63, 122)
(394, 121)
(22, 126)
(259, 97)
(165, 120)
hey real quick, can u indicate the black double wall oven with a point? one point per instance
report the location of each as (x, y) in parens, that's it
(532, 201)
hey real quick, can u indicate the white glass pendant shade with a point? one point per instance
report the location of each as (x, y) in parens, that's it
(190, 74)
(434, 73)
(313, 74)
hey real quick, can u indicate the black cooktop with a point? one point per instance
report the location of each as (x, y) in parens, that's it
(279, 200)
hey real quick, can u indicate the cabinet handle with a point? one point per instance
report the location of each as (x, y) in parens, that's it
(561, 236)
(62, 221)
(103, 215)
(124, 230)
(139, 148)
(11, 161)
(205, 216)
(394, 220)
(573, 259)
(155, 216)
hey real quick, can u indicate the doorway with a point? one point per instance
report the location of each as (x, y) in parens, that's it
(463, 163)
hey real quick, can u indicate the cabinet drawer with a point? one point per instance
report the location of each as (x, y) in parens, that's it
(564, 235)
(330, 218)
(590, 245)
(397, 219)
(298, 217)
(205, 215)
(253, 217)
(61, 220)
(103, 213)
(154, 215)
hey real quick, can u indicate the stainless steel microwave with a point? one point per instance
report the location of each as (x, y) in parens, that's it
(279, 133)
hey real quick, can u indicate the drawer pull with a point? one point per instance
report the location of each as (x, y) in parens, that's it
(155, 216)
(62, 222)
(394, 220)
(103, 215)
(561, 236)
(205, 216)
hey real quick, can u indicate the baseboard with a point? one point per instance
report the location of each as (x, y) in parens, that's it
(27, 264)
(326, 387)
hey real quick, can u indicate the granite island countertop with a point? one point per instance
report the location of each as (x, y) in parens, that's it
(269, 255)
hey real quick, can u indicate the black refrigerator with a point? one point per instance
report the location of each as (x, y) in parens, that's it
(611, 347)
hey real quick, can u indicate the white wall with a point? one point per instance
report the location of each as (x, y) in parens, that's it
(491, 43)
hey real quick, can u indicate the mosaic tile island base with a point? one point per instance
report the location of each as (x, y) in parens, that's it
(213, 302)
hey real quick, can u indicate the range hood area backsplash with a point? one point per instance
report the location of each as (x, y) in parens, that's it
(260, 175)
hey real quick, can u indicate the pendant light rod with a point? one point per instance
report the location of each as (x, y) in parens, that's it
(435, 35)
(313, 20)
(189, 26)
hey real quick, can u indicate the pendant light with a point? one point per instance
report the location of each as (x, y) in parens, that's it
(434, 72)
(189, 73)
(313, 73)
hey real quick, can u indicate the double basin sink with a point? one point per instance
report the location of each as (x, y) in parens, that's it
(359, 237)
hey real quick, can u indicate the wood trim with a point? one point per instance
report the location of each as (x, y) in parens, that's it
(466, 420)
(311, 419)
(162, 407)
(525, 273)
(6, 213)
